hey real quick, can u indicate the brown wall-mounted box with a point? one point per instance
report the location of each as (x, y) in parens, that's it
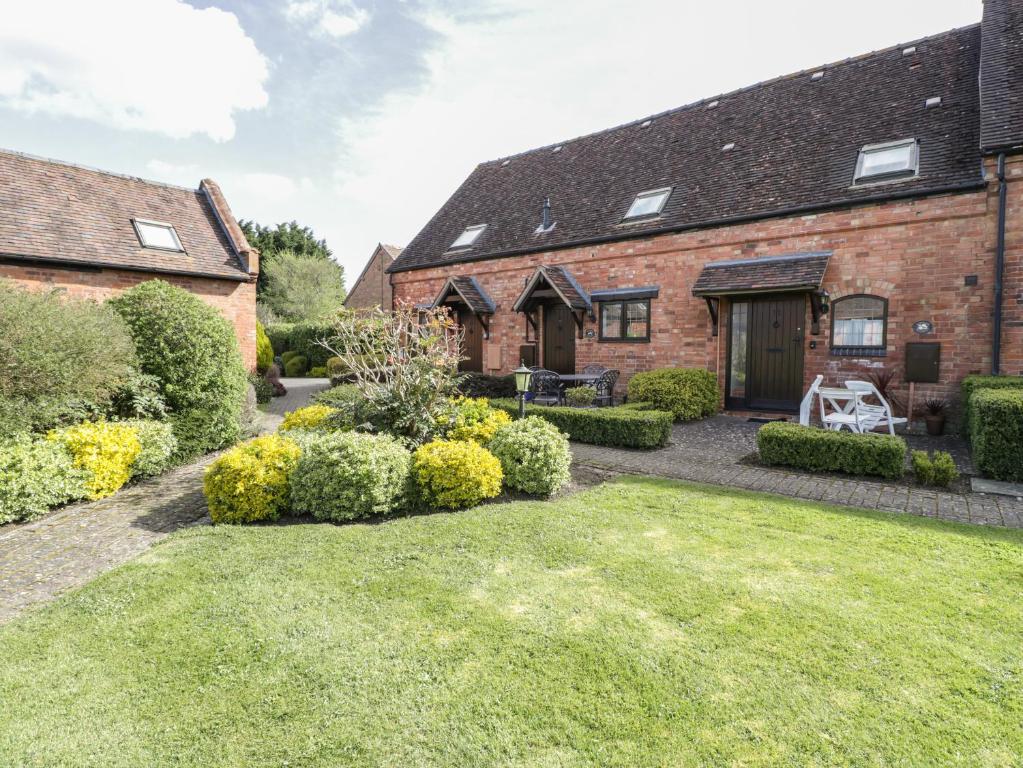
(923, 359)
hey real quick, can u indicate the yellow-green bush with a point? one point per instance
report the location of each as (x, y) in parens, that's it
(310, 417)
(264, 350)
(252, 481)
(105, 451)
(454, 474)
(472, 418)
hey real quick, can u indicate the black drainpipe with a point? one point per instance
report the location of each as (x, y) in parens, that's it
(996, 346)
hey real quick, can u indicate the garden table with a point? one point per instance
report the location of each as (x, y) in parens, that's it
(580, 378)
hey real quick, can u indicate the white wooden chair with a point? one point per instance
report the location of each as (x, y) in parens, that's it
(806, 406)
(842, 407)
(887, 418)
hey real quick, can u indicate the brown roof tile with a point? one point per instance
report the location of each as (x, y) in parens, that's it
(775, 273)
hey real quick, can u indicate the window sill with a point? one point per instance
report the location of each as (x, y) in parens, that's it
(859, 352)
(623, 341)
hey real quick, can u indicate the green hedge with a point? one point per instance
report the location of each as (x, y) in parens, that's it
(619, 426)
(689, 393)
(822, 450)
(972, 383)
(301, 338)
(486, 385)
(996, 432)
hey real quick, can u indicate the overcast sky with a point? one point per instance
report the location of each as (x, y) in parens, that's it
(360, 117)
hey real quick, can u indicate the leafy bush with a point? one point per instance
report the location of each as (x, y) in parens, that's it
(471, 418)
(157, 446)
(60, 358)
(192, 350)
(941, 470)
(453, 475)
(295, 366)
(264, 350)
(36, 475)
(264, 389)
(302, 339)
(339, 397)
(106, 451)
(319, 372)
(973, 383)
(534, 455)
(823, 450)
(252, 481)
(289, 355)
(300, 287)
(996, 432)
(348, 475)
(310, 417)
(485, 385)
(580, 396)
(689, 393)
(625, 426)
(138, 397)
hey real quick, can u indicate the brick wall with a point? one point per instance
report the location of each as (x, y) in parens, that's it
(236, 300)
(374, 289)
(1012, 308)
(915, 253)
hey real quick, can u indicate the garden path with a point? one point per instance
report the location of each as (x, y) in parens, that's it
(41, 559)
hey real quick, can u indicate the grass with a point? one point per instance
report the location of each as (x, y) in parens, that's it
(643, 622)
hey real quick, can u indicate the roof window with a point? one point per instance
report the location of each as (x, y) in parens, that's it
(469, 236)
(649, 203)
(895, 159)
(155, 234)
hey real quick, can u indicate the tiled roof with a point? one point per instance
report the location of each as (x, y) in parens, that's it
(470, 292)
(53, 211)
(1001, 75)
(775, 273)
(563, 283)
(795, 139)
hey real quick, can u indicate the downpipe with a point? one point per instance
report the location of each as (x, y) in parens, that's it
(996, 342)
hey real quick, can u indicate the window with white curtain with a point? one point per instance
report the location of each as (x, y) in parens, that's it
(858, 325)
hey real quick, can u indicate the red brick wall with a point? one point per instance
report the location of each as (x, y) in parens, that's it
(915, 253)
(1012, 313)
(237, 301)
(374, 289)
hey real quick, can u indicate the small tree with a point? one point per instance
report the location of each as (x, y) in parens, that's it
(279, 238)
(404, 363)
(303, 287)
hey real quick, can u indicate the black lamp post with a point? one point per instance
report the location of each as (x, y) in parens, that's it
(523, 377)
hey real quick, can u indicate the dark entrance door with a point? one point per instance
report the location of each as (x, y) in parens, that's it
(558, 339)
(472, 341)
(766, 352)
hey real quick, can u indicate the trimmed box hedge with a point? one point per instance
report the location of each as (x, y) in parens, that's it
(823, 450)
(996, 432)
(973, 383)
(632, 426)
(689, 393)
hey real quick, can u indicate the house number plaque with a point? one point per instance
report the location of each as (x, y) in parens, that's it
(923, 327)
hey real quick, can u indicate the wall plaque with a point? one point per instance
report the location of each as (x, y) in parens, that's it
(923, 327)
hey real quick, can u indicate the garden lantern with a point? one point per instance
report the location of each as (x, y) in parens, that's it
(523, 376)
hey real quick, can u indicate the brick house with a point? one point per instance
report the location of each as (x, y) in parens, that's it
(373, 286)
(95, 234)
(815, 223)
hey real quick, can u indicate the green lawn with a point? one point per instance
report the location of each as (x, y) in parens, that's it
(639, 623)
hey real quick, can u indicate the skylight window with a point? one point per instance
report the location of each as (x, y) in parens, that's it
(469, 236)
(892, 160)
(649, 203)
(154, 234)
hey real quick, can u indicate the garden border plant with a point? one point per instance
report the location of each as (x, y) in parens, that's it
(635, 425)
(782, 443)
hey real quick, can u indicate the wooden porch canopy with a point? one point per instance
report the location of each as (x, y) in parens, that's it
(466, 290)
(799, 272)
(554, 283)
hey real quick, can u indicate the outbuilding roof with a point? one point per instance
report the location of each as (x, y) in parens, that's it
(782, 146)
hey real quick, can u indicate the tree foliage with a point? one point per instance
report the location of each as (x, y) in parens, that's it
(303, 288)
(287, 236)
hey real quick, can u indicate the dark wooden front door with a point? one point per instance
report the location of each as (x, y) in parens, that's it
(766, 352)
(472, 341)
(558, 339)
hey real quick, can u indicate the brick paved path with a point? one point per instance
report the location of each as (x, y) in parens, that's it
(67, 548)
(711, 451)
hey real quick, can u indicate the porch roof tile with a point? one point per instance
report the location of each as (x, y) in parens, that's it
(794, 272)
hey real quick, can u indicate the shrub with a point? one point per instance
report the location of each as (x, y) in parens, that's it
(626, 426)
(310, 417)
(105, 451)
(996, 432)
(157, 446)
(138, 397)
(580, 396)
(252, 481)
(264, 389)
(689, 393)
(302, 339)
(193, 352)
(60, 358)
(36, 475)
(279, 335)
(941, 470)
(295, 366)
(534, 455)
(348, 475)
(319, 372)
(472, 419)
(288, 356)
(339, 397)
(485, 385)
(971, 384)
(264, 350)
(453, 475)
(273, 375)
(823, 450)
(335, 366)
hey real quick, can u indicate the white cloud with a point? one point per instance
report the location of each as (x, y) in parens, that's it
(152, 65)
(329, 18)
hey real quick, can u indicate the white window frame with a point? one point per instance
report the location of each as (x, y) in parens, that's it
(911, 171)
(163, 225)
(472, 232)
(664, 191)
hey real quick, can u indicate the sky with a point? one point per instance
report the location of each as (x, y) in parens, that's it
(359, 118)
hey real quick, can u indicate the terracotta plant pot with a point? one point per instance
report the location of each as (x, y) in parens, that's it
(935, 424)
